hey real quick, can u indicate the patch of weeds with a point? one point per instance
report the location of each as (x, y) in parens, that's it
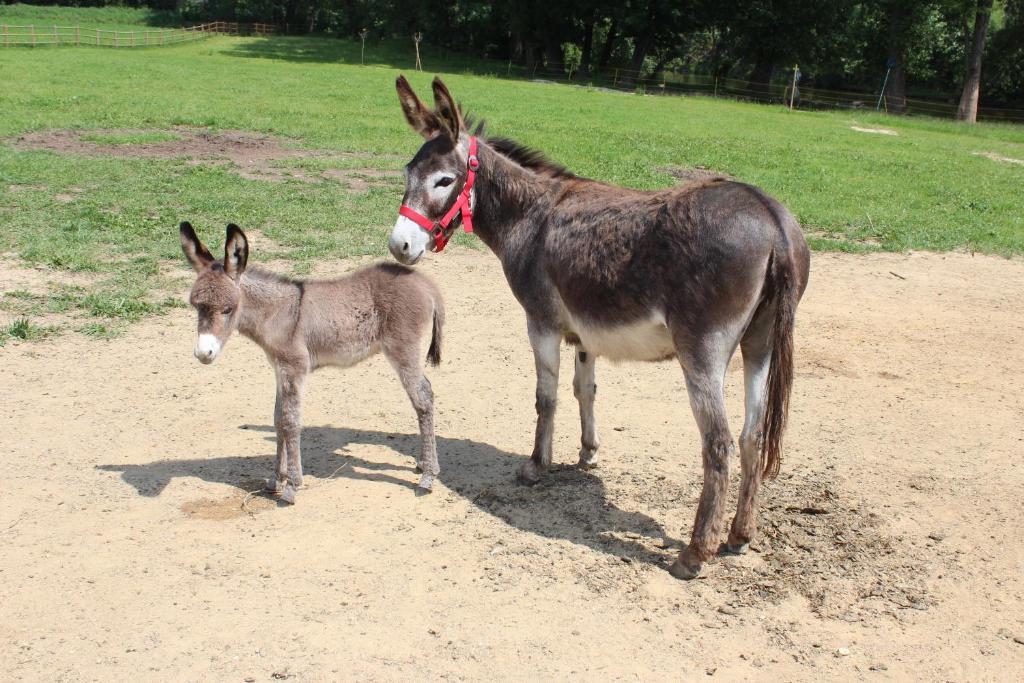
(141, 138)
(25, 330)
(22, 302)
(119, 303)
(100, 330)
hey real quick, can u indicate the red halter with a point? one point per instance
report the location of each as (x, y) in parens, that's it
(461, 205)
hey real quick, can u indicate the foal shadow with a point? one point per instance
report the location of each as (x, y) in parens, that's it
(569, 504)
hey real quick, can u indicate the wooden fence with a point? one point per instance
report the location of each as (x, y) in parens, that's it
(39, 35)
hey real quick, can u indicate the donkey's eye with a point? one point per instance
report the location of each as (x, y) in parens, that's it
(444, 182)
(227, 311)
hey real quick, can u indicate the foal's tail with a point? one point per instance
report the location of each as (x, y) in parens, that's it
(785, 291)
(434, 352)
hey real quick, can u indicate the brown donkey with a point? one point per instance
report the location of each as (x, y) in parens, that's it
(303, 325)
(688, 273)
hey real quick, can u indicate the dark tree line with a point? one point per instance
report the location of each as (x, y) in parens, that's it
(953, 48)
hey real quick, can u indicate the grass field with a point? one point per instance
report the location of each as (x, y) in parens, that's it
(109, 18)
(925, 188)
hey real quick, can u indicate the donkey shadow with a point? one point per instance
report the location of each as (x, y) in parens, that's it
(569, 504)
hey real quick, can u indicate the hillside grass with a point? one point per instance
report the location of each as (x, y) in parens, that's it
(109, 18)
(924, 188)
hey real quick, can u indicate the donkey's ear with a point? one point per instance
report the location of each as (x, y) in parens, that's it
(446, 109)
(422, 120)
(236, 252)
(197, 254)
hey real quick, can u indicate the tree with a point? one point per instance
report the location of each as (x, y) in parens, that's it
(968, 109)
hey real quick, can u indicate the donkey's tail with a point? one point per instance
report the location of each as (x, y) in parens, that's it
(785, 288)
(434, 352)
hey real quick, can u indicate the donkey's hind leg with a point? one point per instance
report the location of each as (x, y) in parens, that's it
(545, 343)
(407, 364)
(757, 351)
(705, 377)
(585, 388)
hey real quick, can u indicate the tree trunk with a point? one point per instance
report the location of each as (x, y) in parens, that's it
(588, 47)
(760, 78)
(968, 109)
(896, 85)
(609, 45)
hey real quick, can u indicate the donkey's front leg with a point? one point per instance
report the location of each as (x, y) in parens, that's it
(545, 343)
(288, 422)
(278, 478)
(585, 388)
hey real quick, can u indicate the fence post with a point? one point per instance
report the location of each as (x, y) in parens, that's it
(6, 37)
(56, 39)
(615, 80)
(792, 91)
(32, 30)
(78, 35)
(716, 86)
(117, 39)
(97, 37)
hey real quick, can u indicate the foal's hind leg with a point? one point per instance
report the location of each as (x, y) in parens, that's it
(756, 346)
(585, 388)
(704, 381)
(407, 364)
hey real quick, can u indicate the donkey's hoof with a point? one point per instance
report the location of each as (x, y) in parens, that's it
(273, 486)
(529, 473)
(683, 571)
(426, 485)
(734, 549)
(588, 459)
(418, 469)
(288, 495)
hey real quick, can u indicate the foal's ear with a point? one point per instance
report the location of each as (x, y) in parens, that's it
(422, 120)
(236, 252)
(197, 254)
(446, 108)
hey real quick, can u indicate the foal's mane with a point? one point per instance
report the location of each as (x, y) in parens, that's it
(524, 156)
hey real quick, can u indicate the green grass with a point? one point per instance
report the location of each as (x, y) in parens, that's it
(130, 138)
(25, 330)
(922, 189)
(110, 18)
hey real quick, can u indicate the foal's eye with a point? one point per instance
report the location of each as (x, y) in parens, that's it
(444, 182)
(227, 311)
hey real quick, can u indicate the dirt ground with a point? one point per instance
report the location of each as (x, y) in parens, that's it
(891, 545)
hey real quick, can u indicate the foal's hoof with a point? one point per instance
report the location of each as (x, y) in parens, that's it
(529, 473)
(683, 571)
(418, 469)
(288, 495)
(273, 486)
(588, 459)
(426, 485)
(734, 549)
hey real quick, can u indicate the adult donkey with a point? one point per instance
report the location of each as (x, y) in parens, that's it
(687, 273)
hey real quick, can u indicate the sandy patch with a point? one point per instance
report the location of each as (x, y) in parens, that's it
(890, 542)
(250, 155)
(999, 157)
(692, 174)
(877, 131)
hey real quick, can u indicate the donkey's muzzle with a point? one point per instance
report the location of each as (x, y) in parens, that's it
(207, 348)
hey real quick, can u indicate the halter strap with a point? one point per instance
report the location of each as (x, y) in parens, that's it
(462, 205)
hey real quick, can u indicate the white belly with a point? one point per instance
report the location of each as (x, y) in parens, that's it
(645, 340)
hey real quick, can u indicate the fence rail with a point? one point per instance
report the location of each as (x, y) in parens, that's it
(36, 35)
(806, 96)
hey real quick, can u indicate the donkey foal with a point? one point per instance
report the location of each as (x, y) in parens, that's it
(303, 325)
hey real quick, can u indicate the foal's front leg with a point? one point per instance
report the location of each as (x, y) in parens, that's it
(288, 423)
(584, 387)
(545, 343)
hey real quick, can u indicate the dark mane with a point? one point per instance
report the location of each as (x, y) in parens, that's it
(529, 158)
(512, 150)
